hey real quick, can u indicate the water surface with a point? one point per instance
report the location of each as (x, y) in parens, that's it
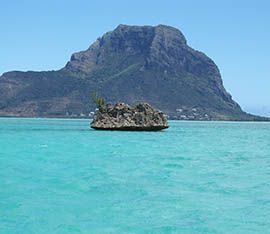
(58, 176)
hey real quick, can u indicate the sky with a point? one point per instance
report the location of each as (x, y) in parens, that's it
(41, 35)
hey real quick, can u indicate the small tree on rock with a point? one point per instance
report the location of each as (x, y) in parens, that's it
(98, 100)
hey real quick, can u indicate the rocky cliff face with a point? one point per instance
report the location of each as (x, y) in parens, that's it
(130, 64)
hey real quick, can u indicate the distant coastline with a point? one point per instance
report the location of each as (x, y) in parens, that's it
(260, 119)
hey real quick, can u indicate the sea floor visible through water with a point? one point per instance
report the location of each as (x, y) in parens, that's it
(60, 176)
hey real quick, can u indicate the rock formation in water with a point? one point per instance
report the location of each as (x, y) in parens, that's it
(152, 64)
(123, 117)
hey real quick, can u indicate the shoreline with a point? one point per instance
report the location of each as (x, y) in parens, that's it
(267, 120)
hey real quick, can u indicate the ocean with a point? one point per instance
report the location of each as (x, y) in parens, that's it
(60, 176)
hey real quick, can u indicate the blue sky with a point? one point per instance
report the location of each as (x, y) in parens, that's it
(42, 35)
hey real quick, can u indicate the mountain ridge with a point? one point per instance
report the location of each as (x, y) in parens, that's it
(131, 64)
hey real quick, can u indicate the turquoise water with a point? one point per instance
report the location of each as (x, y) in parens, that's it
(58, 176)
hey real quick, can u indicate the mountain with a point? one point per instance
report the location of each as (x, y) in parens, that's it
(130, 64)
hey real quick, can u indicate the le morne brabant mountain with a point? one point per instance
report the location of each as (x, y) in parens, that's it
(130, 64)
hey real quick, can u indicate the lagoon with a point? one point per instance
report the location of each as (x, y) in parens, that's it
(60, 176)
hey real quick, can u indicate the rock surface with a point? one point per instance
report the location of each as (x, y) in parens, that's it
(121, 116)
